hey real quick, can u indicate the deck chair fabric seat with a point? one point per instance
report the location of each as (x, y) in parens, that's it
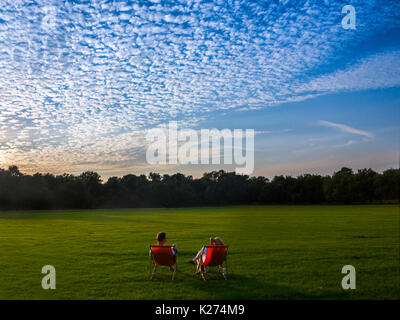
(216, 256)
(162, 256)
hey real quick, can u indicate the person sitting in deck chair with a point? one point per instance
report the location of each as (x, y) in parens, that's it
(161, 240)
(213, 242)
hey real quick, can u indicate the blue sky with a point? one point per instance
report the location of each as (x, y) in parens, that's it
(81, 81)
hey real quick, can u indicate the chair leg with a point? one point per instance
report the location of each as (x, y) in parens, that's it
(198, 267)
(225, 273)
(154, 271)
(175, 271)
(224, 270)
(202, 274)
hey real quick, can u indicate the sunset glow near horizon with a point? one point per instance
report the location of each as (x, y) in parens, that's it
(81, 82)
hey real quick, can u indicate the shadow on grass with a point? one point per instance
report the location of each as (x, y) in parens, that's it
(237, 286)
(243, 287)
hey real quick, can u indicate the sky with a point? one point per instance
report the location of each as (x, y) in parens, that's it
(83, 81)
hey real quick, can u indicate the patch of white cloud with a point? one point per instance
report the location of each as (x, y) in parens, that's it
(345, 128)
(373, 72)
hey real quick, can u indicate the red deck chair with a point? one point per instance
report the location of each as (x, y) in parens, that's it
(162, 256)
(215, 257)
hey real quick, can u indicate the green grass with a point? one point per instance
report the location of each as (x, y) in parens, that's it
(276, 252)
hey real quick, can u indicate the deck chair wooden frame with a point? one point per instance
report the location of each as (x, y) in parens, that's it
(162, 256)
(213, 259)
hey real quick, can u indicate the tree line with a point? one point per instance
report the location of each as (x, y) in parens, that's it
(47, 191)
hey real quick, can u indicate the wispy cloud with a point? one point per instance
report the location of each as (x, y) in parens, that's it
(372, 72)
(345, 128)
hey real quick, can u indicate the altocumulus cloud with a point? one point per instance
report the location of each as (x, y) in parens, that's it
(81, 81)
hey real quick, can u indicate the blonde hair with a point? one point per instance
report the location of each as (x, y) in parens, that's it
(218, 241)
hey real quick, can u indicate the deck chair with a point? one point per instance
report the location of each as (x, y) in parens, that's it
(162, 256)
(215, 257)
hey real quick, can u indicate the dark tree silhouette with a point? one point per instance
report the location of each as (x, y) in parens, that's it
(46, 191)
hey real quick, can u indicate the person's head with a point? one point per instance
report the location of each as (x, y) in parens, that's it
(161, 238)
(217, 241)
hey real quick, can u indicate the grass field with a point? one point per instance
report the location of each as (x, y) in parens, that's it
(275, 252)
